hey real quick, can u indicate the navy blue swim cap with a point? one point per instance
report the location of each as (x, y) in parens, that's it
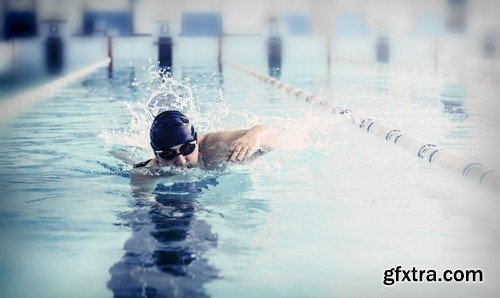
(170, 128)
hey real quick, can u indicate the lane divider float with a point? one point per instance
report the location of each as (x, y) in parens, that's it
(11, 106)
(423, 150)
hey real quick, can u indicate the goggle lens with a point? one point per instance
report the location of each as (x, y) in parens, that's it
(185, 149)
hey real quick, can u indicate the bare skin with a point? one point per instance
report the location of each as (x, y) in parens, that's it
(213, 151)
(216, 148)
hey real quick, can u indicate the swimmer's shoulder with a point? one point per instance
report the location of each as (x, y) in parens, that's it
(214, 142)
(205, 144)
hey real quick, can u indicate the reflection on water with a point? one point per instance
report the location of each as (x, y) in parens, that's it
(453, 97)
(275, 72)
(381, 83)
(164, 255)
(451, 107)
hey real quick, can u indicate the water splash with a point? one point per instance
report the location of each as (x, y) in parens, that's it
(202, 99)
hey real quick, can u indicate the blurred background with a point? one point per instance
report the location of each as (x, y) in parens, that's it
(325, 214)
(50, 37)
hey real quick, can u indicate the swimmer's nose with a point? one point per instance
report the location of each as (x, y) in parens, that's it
(180, 160)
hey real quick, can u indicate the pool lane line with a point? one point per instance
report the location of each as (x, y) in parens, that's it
(423, 150)
(13, 105)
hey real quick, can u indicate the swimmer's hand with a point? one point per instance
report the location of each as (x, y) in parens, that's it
(253, 140)
(244, 147)
(237, 145)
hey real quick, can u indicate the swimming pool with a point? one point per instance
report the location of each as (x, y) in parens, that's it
(322, 215)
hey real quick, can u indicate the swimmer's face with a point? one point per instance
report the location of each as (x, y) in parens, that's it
(181, 160)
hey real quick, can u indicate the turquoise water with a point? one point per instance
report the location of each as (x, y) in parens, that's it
(324, 214)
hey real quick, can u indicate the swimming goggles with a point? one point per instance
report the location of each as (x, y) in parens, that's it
(186, 149)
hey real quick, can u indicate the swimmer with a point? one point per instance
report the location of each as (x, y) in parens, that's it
(175, 142)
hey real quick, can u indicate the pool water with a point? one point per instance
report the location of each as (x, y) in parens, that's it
(324, 214)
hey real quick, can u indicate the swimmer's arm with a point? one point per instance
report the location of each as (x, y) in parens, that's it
(142, 179)
(244, 143)
(266, 134)
(142, 183)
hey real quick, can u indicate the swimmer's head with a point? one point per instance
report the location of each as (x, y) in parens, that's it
(174, 140)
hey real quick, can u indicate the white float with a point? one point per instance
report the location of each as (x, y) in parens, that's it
(11, 106)
(423, 150)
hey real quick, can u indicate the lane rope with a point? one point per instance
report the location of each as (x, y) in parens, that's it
(12, 106)
(423, 150)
